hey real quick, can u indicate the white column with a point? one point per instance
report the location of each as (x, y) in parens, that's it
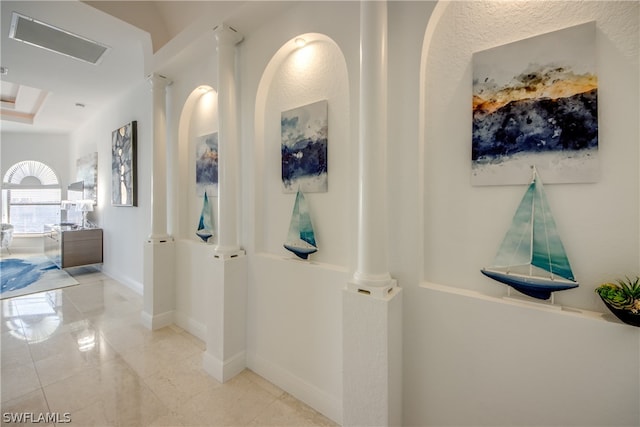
(372, 301)
(159, 164)
(372, 268)
(228, 160)
(159, 249)
(226, 317)
(172, 153)
(226, 291)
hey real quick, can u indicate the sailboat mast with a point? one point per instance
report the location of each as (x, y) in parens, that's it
(533, 230)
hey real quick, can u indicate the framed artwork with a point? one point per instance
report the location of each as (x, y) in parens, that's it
(535, 103)
(87, 172)
(304, 133)
(207, 165)
(123, 166)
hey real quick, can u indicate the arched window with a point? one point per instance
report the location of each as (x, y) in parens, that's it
(30, 197)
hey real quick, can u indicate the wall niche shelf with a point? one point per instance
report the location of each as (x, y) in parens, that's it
(514, 301)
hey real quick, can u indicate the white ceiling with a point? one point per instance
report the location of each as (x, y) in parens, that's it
(42, 88)
(62, 81)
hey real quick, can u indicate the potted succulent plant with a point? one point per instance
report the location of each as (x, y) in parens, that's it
(623, 299)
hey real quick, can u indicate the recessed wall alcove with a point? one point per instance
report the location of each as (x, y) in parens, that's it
(464, 224)
(289, 297)
(478, 358)
(198, 117)
(298, 76)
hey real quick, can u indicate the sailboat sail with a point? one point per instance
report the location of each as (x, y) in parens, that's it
(205, 225)
(531, 257)
(301, 238)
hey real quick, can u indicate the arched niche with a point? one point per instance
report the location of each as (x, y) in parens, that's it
(463, 225)
(199, 117)
(297, 76)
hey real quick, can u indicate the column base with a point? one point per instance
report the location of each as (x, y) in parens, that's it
(158, 283)
(224, 370)
(226, 298)
(372, 355)
(157, 321)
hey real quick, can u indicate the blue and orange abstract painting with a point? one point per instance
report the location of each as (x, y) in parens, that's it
(304, 148)
(535, 102)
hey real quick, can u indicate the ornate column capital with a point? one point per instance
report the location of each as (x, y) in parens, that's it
(158, 81)
(227, 35)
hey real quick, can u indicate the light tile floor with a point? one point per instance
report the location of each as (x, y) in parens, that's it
(81, 353)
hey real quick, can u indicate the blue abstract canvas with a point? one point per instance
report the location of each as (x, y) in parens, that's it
(207, 165)
(304, 148)
(535, 102)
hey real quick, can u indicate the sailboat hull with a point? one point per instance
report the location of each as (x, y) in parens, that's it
(302, 251)
(204, 234)
(536, 287)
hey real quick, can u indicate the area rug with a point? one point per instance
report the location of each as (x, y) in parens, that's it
(22, 276)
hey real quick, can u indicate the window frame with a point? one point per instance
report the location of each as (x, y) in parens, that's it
(30, 171)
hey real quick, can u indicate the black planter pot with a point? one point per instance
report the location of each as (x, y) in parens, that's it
(625, 315)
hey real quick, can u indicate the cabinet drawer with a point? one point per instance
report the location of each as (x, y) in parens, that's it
(76, 235)
(81, 252)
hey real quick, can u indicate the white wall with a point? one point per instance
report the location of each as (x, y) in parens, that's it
(472, 358)
(50, 149)
(125, 228)
(469, 357)
(313, 73)
(201, 118)
(300, 347)
(464, 225)
(192, 112)
(294, 322)
(481, 362)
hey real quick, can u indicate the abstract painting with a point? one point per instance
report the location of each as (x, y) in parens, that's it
(304, 148)
(87, 172)
(207, 165)
(123, 165)
(535, 102)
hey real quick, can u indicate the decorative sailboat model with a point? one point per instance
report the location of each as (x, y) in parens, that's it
(532, 258)
(301, 239)
(205, 225)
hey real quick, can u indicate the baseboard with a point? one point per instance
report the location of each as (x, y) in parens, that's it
(195, 328)
(224, 371)
(134, 285)
(158, 321)
(330, 406)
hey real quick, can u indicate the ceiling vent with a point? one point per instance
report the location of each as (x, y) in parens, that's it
(37, 33)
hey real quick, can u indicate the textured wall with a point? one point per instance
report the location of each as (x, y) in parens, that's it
(471, 358)
(464, 225)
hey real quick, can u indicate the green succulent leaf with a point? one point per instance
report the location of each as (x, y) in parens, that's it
(621, 295)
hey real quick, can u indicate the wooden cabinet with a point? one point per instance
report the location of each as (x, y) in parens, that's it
(72, 248)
